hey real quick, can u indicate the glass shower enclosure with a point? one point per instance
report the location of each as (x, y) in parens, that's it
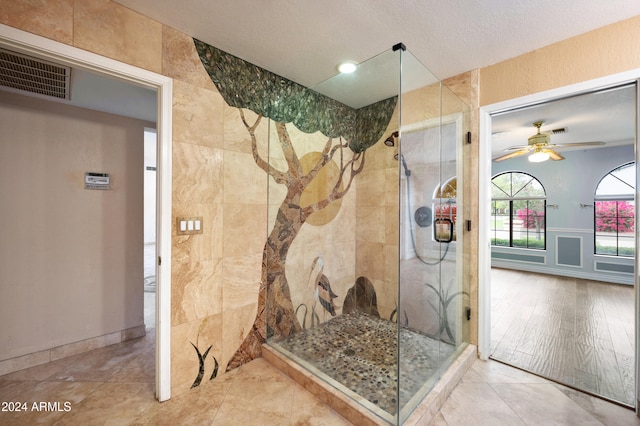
(364, 262)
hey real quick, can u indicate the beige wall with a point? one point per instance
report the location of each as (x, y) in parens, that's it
(606, 51)
(71, 259)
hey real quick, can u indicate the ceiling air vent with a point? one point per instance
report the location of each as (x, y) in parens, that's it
(33, 75)
(560, 130)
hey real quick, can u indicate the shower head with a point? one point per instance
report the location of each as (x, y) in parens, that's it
(390, 141)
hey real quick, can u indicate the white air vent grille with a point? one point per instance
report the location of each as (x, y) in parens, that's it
(33, 75)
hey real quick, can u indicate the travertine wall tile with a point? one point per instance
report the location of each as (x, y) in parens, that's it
(50, 19)
(391, 263)
(392, 184)
(114, 31)
(200, 333)
(197, 115)
(380, 156)
(244, 181)
(245, 228)
(237, 137)
(421, 105)
(204, 246)
(370, 224)
(378, 221)
(237, 323)
(197, 174)
(196, 290)
(241, 279)
(371, 188)
(391, 228)
(180, 60)
(370, 259)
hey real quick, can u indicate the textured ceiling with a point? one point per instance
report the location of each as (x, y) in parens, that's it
(606, 116)
(305, 40)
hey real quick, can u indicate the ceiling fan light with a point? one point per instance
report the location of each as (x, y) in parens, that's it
(538, 157)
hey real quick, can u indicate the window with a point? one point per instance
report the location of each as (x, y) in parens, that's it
(444, 201)
(518, 211)
(614, 212)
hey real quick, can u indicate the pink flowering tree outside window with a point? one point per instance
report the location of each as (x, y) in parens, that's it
(531, 219)
(614, 216)
(614, 212)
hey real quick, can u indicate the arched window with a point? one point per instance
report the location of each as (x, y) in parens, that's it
(614, 212)
(518, 211)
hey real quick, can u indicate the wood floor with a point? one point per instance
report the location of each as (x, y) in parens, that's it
(576, 332)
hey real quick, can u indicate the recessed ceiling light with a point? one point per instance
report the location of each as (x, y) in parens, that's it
(347, 67)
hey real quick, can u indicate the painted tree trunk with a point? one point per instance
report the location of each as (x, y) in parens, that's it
(279, 319)
(276, 315)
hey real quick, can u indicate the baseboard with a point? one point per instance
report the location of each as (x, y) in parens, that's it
(59, 352)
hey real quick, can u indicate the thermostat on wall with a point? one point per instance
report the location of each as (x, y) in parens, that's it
(96, 180)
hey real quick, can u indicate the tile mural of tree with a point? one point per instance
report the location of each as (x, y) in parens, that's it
(349, 134)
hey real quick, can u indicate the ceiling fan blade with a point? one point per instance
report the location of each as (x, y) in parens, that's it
(553, 155)
(511, 155)
(518, 147)
(577, 144)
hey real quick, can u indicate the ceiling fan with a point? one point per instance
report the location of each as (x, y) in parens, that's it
(540, 147)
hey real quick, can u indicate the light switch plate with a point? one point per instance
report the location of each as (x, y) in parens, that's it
(188, 225)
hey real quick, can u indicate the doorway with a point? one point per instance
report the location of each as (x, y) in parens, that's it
(36, 46)
(567, 262)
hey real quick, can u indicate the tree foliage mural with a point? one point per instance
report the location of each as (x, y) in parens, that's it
(349, 134)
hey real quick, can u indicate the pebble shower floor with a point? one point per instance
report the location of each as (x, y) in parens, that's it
(360, 352)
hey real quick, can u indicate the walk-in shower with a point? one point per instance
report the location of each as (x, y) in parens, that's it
(364, 270)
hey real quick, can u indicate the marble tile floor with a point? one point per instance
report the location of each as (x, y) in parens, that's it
(494, 394)
(114, 386)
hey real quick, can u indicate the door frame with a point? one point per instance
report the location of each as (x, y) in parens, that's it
(484, 203)
(24, 42)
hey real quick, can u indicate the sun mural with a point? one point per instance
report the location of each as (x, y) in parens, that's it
(320, 188)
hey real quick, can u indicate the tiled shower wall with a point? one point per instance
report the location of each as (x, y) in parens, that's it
(216, 275)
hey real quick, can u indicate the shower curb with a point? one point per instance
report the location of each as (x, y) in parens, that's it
(356, 413)
(431, 404)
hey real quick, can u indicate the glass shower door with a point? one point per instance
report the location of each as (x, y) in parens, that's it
(432, 295)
